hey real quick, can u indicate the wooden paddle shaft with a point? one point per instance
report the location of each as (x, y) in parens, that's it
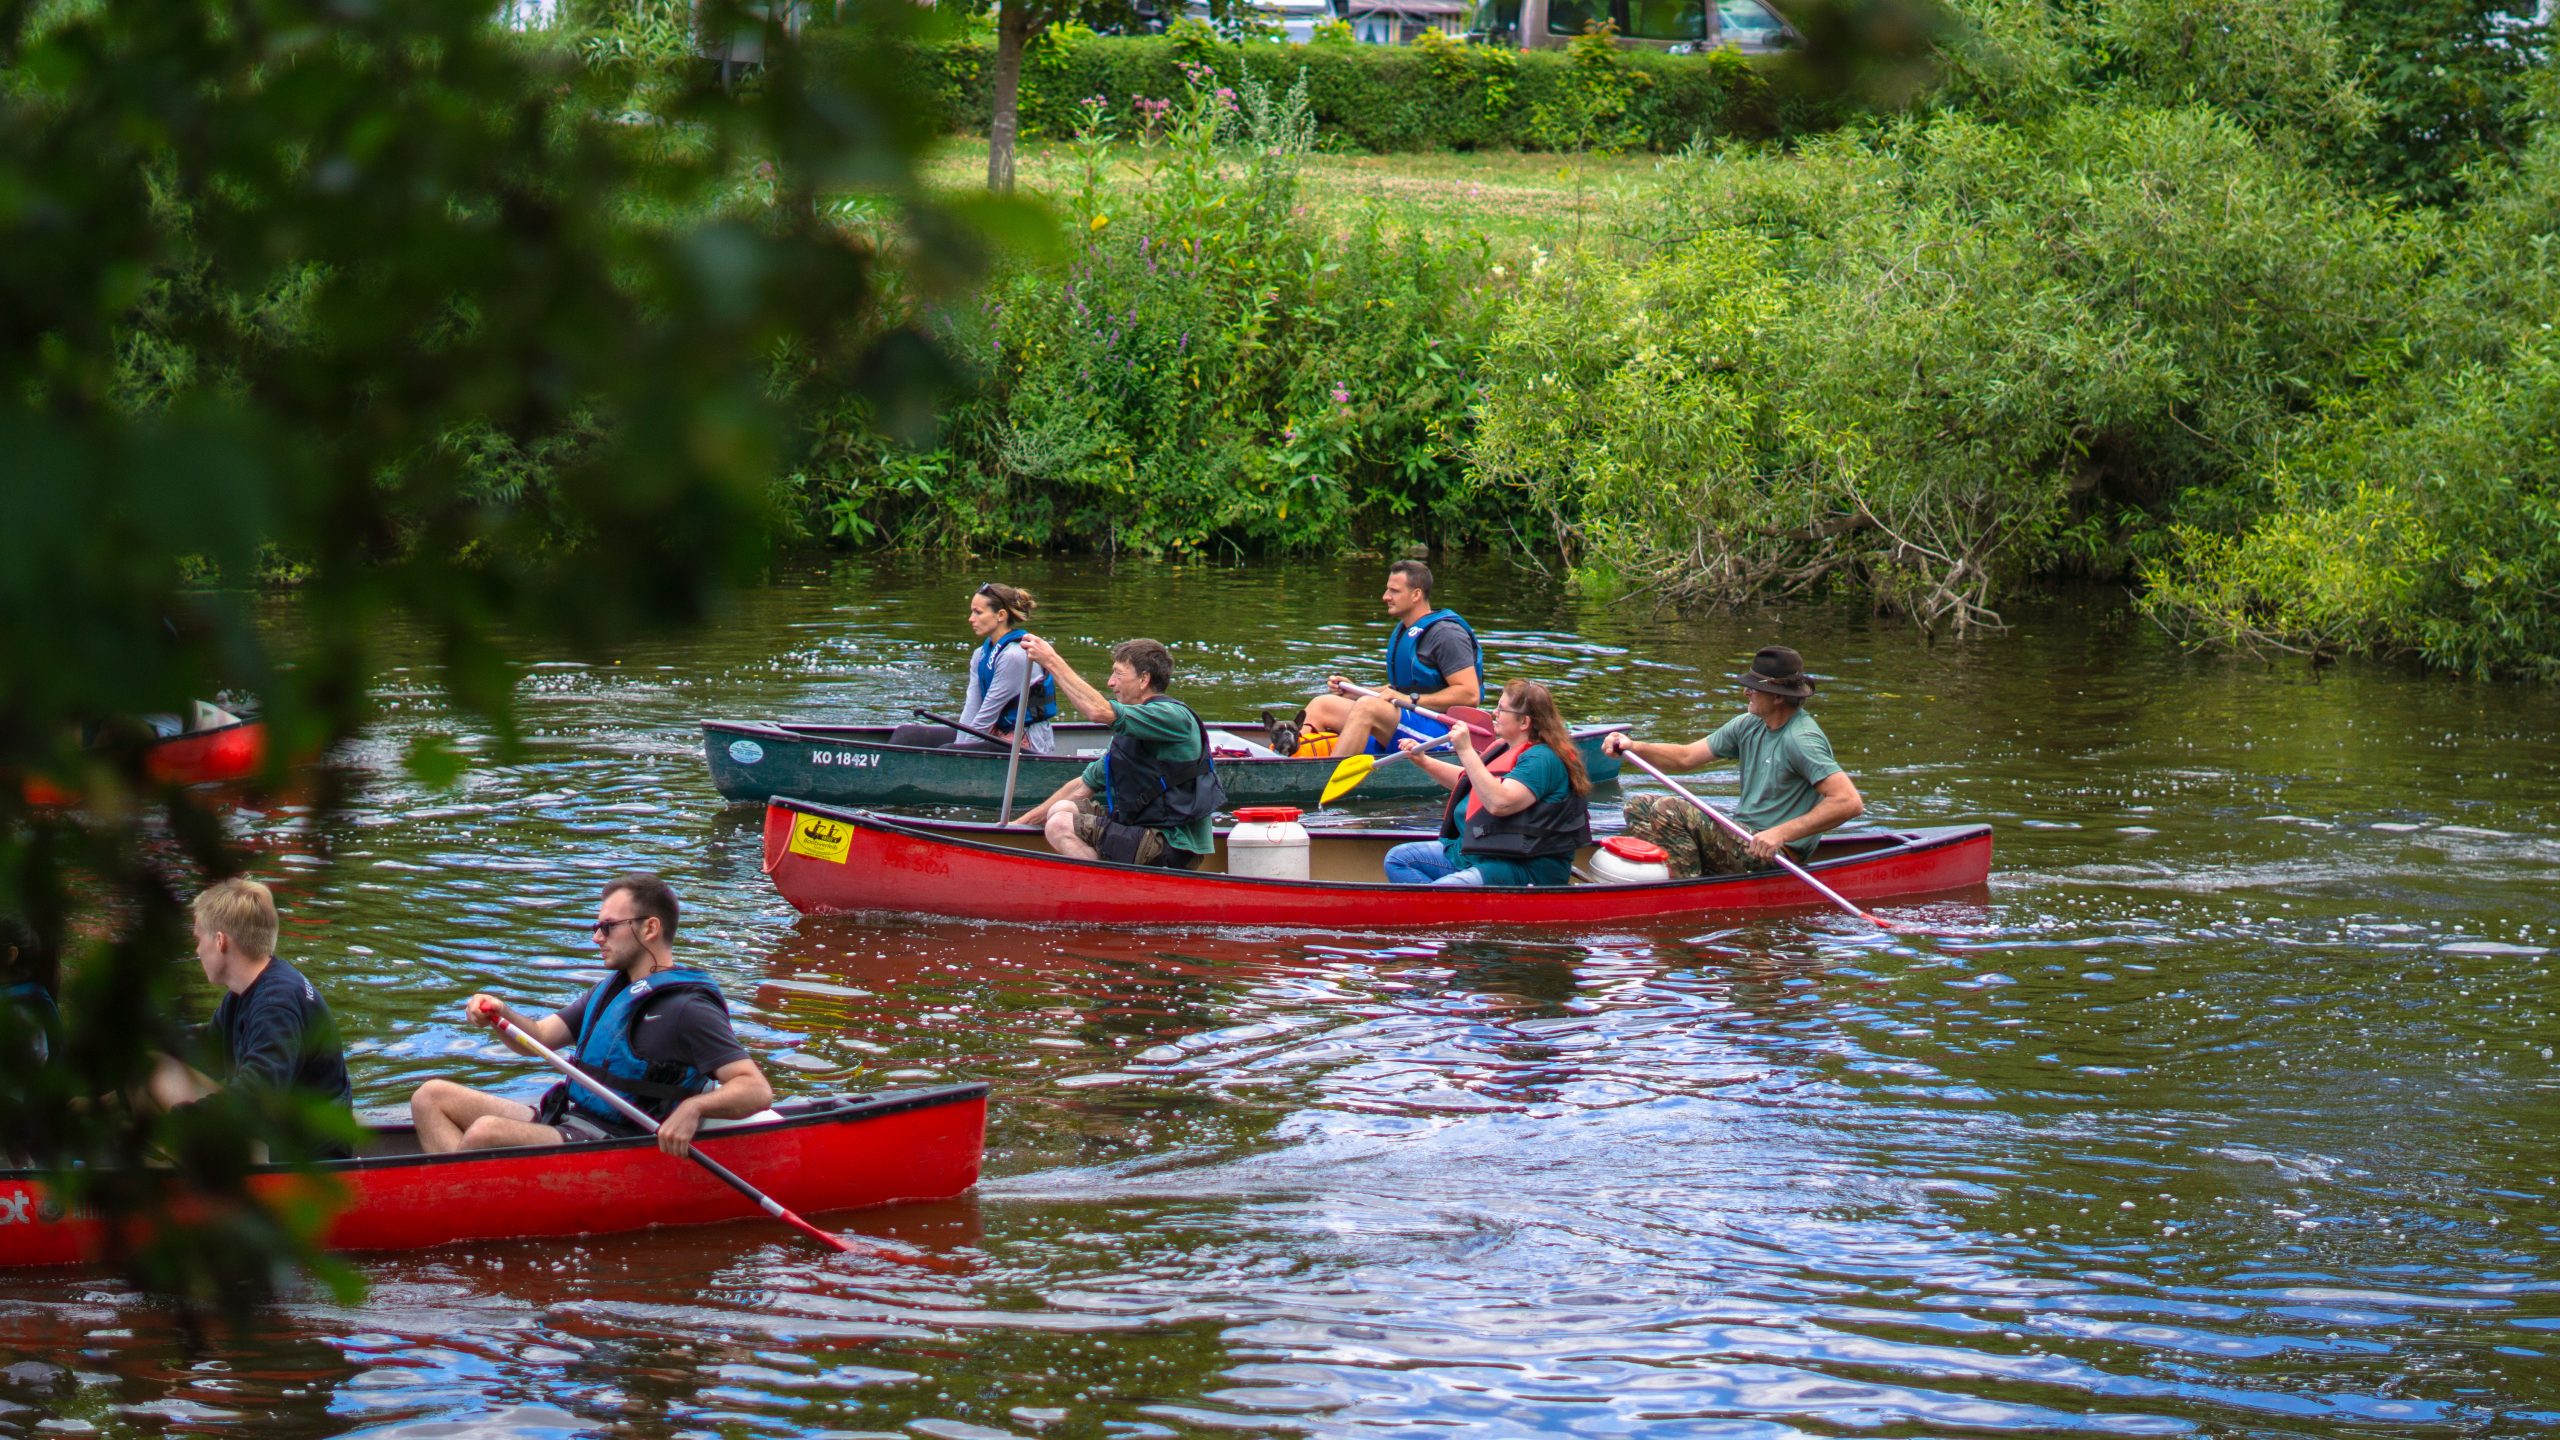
(1013, 762)
(1734, 827)
(637, 1116)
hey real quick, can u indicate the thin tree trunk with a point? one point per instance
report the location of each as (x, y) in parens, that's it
(1013, 31)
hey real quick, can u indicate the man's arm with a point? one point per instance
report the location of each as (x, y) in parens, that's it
(1840, 804)
(551, 1030)
(1092, 704)
(743, 1091)
(1464, 688)
(1674, 758)
(1038, 815)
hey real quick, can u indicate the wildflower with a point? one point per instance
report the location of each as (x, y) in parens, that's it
(1101, 220)
(1341, 394)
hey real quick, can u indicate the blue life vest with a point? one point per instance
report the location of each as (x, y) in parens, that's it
(604, 1049)
(1405, 668)
(1044, 691)
(38, 1002)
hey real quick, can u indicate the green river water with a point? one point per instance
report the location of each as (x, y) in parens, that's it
(2230, 1111)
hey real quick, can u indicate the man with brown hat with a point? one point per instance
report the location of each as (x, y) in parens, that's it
(1791, 789)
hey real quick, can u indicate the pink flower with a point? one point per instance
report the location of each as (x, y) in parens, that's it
(1341, 395)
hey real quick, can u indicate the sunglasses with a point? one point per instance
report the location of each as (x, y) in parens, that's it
(603, 928)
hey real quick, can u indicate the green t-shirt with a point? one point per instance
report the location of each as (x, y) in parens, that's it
(1542, 770)
(1166, 727)
(1780, 769)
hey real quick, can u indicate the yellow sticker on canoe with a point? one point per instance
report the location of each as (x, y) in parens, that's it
(820, 838)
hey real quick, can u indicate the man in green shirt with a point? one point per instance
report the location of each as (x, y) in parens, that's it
(1148, 800)
(1791, 791)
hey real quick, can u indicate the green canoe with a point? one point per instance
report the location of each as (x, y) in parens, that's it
(856, 765)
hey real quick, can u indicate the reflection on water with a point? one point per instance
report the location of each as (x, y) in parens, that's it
(2228, 1113)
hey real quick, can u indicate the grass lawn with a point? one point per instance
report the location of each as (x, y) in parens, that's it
(1515, 200)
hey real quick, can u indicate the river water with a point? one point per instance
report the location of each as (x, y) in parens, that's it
(2228, 1112)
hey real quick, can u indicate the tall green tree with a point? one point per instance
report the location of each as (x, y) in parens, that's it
(282, 276)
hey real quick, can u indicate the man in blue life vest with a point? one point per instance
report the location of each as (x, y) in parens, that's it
(1432, 661)
(1791, 789)
(1157, 784)
(655, 1032)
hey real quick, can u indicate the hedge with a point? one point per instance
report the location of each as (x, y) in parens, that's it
(1429, 96)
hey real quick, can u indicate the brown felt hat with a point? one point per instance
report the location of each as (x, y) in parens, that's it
(1779, 671)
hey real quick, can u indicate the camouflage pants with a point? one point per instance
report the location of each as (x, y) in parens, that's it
(1696, 844)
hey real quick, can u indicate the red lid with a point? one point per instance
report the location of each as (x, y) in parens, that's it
(1628, 847)
(1267, 814)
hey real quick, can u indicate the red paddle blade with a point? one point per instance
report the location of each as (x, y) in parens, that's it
(1478, 721)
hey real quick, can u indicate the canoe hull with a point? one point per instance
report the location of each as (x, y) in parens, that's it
(900, 865)
(207, 757)
(837, 1154)
(855, 765)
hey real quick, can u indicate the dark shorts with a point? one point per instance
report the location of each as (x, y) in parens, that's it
(577, 1126)
(1152, 847)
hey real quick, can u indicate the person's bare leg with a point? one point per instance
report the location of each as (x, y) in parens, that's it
(1328, 712)
(1371, 716)
(495, 1132)
(1060, 830)
(443, 1112)
(173, 1083)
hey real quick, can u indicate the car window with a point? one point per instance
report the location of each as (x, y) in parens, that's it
(1749, 23)
(1666, 19)
(1572, 17)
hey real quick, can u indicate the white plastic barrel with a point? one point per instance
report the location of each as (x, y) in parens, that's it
(1626, 860)
(1268, 843)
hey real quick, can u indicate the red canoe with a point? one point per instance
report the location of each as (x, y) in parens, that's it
(827, 860)
(831, 1153)
(225, 753)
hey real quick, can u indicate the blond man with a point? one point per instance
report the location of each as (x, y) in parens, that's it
(271, 1030)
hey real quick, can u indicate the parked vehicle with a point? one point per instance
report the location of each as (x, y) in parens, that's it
(1679, 26)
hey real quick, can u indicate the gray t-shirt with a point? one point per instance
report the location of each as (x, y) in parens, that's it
(990, 706)
(1447, 649)
(1780, 769)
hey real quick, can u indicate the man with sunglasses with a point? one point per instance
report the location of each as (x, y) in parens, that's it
(655, 1032)
(1791, 789)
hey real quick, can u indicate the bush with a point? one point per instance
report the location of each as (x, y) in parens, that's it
(1939, 360)
(1434, 95)
(1209, 370)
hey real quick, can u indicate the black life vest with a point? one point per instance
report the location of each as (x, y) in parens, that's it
(1549, 827)
(1155, 794)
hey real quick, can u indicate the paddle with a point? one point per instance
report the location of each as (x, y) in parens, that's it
(1734, 827)
(1480, 721)
(637, 1116)
(1355, 769)
(963, 729)
(1013, 764)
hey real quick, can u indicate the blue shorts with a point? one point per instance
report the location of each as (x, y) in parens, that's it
(1420, 724)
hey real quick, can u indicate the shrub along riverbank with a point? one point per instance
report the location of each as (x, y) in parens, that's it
(2139, 289)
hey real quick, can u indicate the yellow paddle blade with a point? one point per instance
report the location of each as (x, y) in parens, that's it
(1347, 777)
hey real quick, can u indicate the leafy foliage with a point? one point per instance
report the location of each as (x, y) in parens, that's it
(390, 292)
(1208, 369)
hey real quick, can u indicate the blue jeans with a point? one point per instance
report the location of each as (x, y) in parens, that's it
(1425, 862)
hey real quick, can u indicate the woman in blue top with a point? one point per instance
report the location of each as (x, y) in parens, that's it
(998, 674)
(1515, 819)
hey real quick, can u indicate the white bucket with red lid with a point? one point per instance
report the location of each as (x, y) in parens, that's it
(1626, 860)
(1268, 843)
